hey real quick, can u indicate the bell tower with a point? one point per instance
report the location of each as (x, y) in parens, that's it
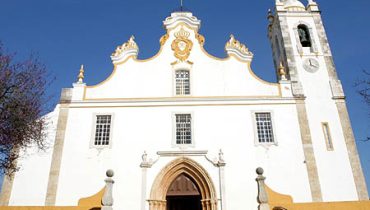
(299, 42)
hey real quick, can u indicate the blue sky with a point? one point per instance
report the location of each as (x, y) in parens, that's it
(67, 33)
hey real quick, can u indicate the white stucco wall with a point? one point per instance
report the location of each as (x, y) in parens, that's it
(30, 182)
(136, 129)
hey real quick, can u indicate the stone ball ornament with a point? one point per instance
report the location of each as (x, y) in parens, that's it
(259, 171)
(109, 173)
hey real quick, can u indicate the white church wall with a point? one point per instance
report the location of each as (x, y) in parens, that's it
(30, 182)
(136, 129)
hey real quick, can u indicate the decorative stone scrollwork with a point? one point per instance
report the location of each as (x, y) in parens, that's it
(125, 50)
(200, 39)
(182, 45)
(163, 39)
(235, 48)
(185, 18)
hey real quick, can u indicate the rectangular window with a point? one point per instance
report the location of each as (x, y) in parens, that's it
(183, 128)
(264, 127)
(328, 140)
(102, 130)
(182, 82)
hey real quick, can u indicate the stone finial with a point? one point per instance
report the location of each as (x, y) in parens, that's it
(234, 47)
(145, 162)
(262, 196)
(282, 72)
(109, 173)
(312, 6)
(107, 200)
(81, 75)
(144, 157)
(221, 161)
(125, 50)
(221, 156)
(270, 16)
(259, 171)
(178, 18)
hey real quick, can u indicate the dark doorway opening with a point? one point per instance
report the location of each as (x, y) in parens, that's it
(183, 194)
(183, 203)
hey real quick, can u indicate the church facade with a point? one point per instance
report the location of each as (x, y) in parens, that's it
(185, 129)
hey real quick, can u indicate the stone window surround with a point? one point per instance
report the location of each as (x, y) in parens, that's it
(313, 48)
(191, 87)
(327, 136)
(182, 83)
(254, 121)
(182, 146)
(93, 130)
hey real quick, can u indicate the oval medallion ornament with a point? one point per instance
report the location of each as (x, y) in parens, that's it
(182, 45)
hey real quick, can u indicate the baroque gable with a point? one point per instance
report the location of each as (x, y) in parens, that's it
(182, 47)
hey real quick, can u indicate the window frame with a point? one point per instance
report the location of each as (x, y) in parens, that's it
(255, 129)
(327, 136)
(93, 130)
(175, 82)
(174, 129)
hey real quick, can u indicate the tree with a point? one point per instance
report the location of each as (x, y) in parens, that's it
(22, 104)
(363, 88)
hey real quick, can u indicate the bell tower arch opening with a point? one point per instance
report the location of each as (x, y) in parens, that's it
(183, 185)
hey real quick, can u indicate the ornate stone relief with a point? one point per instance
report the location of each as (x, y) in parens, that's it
(235, 48)
(182, 45)
(125, 50)
(163, 39)
(181, 18)
(200, 39)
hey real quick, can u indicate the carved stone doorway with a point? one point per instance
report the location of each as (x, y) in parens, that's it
(183, 194)
(197, 193)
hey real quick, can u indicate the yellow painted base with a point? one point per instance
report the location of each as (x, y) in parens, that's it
(279, 201)
(90, 203)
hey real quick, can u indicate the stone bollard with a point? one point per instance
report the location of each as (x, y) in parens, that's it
(262, 197)
(107, 200)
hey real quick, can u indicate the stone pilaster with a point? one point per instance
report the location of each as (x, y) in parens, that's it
(6, 190)
(145, 164)
(354, 159)
(57, 157)
(311, 166)
(221, 169)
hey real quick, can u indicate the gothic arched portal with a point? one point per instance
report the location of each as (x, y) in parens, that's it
(183, 168)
